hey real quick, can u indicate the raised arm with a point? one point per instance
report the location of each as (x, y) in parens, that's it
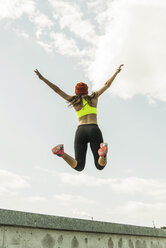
(109, 82)
(53, 86)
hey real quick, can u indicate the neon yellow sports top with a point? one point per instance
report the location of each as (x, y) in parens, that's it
(86, 109)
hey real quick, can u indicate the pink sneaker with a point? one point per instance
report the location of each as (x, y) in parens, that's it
(58, 150)
(103, 150)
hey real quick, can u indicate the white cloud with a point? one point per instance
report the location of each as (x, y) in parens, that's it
(71, 199)
(44, 170)
(21, 33)
(34, 199)
(142, 186)
(130, 186)
(14, 9)
(83, 179)
(102, 13)
(41, 22)
(135, 36)
(113, 32)
(69, 15)
(6, 192)
(10, 182)
(82, 214)
(47, 47)
(65, 45)
(140, 213)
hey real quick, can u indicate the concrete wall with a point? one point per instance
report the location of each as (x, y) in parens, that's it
(27, 230)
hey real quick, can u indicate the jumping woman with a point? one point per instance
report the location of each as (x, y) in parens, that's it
(88, 131)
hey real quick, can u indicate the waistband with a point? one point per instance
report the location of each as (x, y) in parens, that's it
(85, 125)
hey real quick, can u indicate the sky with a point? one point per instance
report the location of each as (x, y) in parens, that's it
(69, 42)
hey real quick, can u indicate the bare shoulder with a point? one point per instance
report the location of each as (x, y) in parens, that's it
(94, 98)
(94, 95)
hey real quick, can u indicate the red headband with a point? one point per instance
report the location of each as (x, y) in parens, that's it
(81, 88)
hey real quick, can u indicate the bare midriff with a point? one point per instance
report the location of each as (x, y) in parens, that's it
(88, 119)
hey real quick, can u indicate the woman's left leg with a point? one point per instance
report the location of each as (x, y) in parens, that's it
(102, 161)
(96, 139)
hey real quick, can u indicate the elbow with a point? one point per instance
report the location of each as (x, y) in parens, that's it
(107, 84)
(56, 89)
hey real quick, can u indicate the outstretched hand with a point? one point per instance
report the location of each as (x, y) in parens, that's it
(119, 68)
(38, 74)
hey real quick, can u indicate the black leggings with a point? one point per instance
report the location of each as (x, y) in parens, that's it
(85, 134)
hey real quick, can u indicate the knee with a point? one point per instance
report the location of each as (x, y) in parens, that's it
(80, 166)
(99, 167)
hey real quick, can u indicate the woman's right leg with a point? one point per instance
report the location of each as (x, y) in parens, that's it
(80, 147)
(70, 160)
(59, 151)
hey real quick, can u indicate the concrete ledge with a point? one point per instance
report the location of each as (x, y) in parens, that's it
(31, 220)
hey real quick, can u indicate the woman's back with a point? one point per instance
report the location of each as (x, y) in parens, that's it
(87, 114)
